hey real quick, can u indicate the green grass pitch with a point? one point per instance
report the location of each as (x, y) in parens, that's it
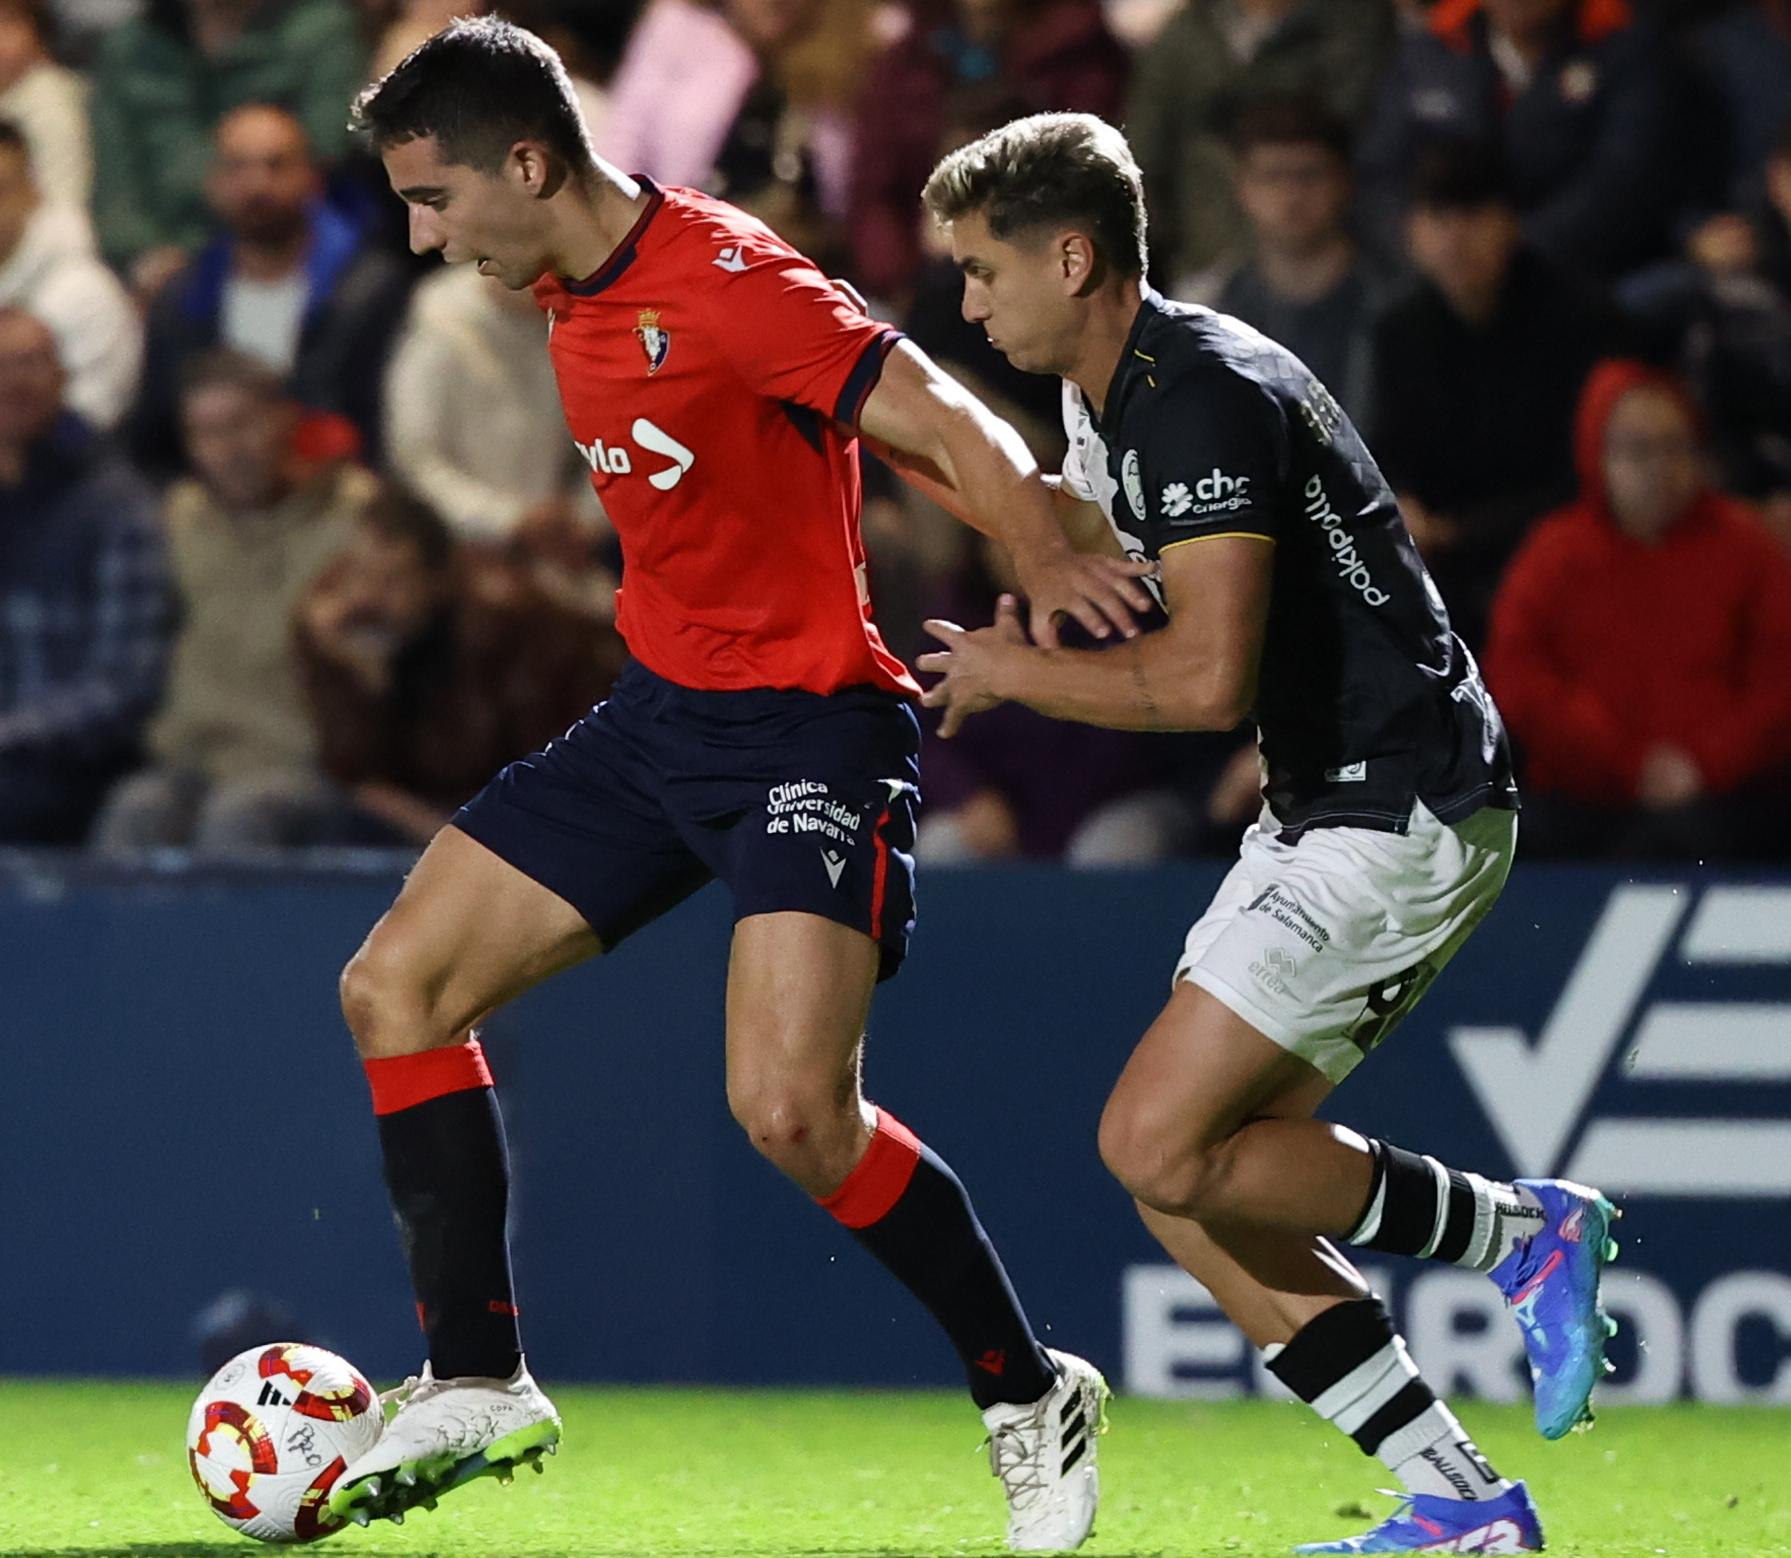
(99, 1469)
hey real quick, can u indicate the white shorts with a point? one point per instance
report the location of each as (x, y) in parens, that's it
(1325, 944)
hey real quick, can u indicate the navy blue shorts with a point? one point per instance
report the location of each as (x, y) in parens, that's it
(794, 799)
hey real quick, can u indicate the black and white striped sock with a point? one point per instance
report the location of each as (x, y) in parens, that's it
(1351, 1369)
(1416, 1206)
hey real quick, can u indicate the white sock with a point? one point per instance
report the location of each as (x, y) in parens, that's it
(1504, 1216)
(1433, 1454)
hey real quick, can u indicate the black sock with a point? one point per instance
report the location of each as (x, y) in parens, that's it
(1350, 1368)
(1416, 1206)
(449, 1178)
(909, 1210)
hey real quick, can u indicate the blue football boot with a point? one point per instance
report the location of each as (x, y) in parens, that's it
(1424, 1523)
(1551, 1283)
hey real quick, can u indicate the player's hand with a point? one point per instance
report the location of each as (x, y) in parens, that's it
(1102, 593)
(970, 664)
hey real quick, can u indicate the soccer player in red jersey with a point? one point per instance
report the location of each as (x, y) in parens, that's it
(717, 384)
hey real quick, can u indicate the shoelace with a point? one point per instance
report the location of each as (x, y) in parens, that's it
(416, 1388)
(1017, 1456)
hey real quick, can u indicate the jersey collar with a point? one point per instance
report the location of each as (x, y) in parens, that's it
(1131, 360)
(610, 270)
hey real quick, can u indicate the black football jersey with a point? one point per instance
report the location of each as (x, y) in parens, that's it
(1366, 701)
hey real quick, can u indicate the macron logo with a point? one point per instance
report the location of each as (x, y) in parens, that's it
(730, 259)
(835, 863)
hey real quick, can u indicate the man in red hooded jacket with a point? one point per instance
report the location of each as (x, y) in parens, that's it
(1641, 645)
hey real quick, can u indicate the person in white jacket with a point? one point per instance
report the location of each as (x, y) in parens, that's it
(47, 101)
(49, 268)
(468, 392)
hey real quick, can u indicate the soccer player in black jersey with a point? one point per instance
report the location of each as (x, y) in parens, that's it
(1294, 597)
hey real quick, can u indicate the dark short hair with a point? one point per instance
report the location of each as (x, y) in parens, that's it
(1294, 120)
(223, 365)
(395, 514)
(1453, 174)
(1044, 170)
(478, 86)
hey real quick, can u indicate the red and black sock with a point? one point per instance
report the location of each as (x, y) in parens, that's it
(909, 1210)
(449, 1177)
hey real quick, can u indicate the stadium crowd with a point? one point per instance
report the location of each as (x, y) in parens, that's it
(294, 548)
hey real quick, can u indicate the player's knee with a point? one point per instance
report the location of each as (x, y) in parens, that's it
(1159, 1166)
(385, 1005)
(799, 1128)
(777, 1120)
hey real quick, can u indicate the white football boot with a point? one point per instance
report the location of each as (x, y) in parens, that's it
(447, 1432)
(1044, 1455)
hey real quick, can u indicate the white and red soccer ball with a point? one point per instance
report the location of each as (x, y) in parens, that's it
(270, 1434)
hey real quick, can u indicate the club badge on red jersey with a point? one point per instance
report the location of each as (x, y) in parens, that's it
(654, 341)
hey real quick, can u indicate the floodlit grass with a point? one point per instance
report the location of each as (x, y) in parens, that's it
(99, 1469)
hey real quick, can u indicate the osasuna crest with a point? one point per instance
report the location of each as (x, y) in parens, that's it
(654, 341)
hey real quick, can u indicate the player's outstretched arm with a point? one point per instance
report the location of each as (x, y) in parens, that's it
(1198, 673)
(954, 448)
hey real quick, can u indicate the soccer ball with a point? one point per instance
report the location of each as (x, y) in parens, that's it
(270, 1434)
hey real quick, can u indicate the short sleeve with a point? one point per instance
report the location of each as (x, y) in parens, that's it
(1212, 451)
(791, 333)
(1076, 431)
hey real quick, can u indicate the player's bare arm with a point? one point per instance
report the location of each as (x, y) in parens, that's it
(1197, 673)
(958, 451)
(1083, 522)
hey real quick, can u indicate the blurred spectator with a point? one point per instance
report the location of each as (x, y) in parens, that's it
(162, 82)
(470, 389)
(413, 22)
(1745, 57)
(49, 269)
(703, 97)
(1723, 314)
(1213, 59)
(428, 668)
(232, 749)
(85, 611)
(1476, 374)
(959, 67)
(1136, 23)
(1640, 647)
(1582, 102)
(46, 101)
(1302, 279)
(286, 279)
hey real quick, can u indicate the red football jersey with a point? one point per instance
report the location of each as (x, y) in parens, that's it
(703, 371)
